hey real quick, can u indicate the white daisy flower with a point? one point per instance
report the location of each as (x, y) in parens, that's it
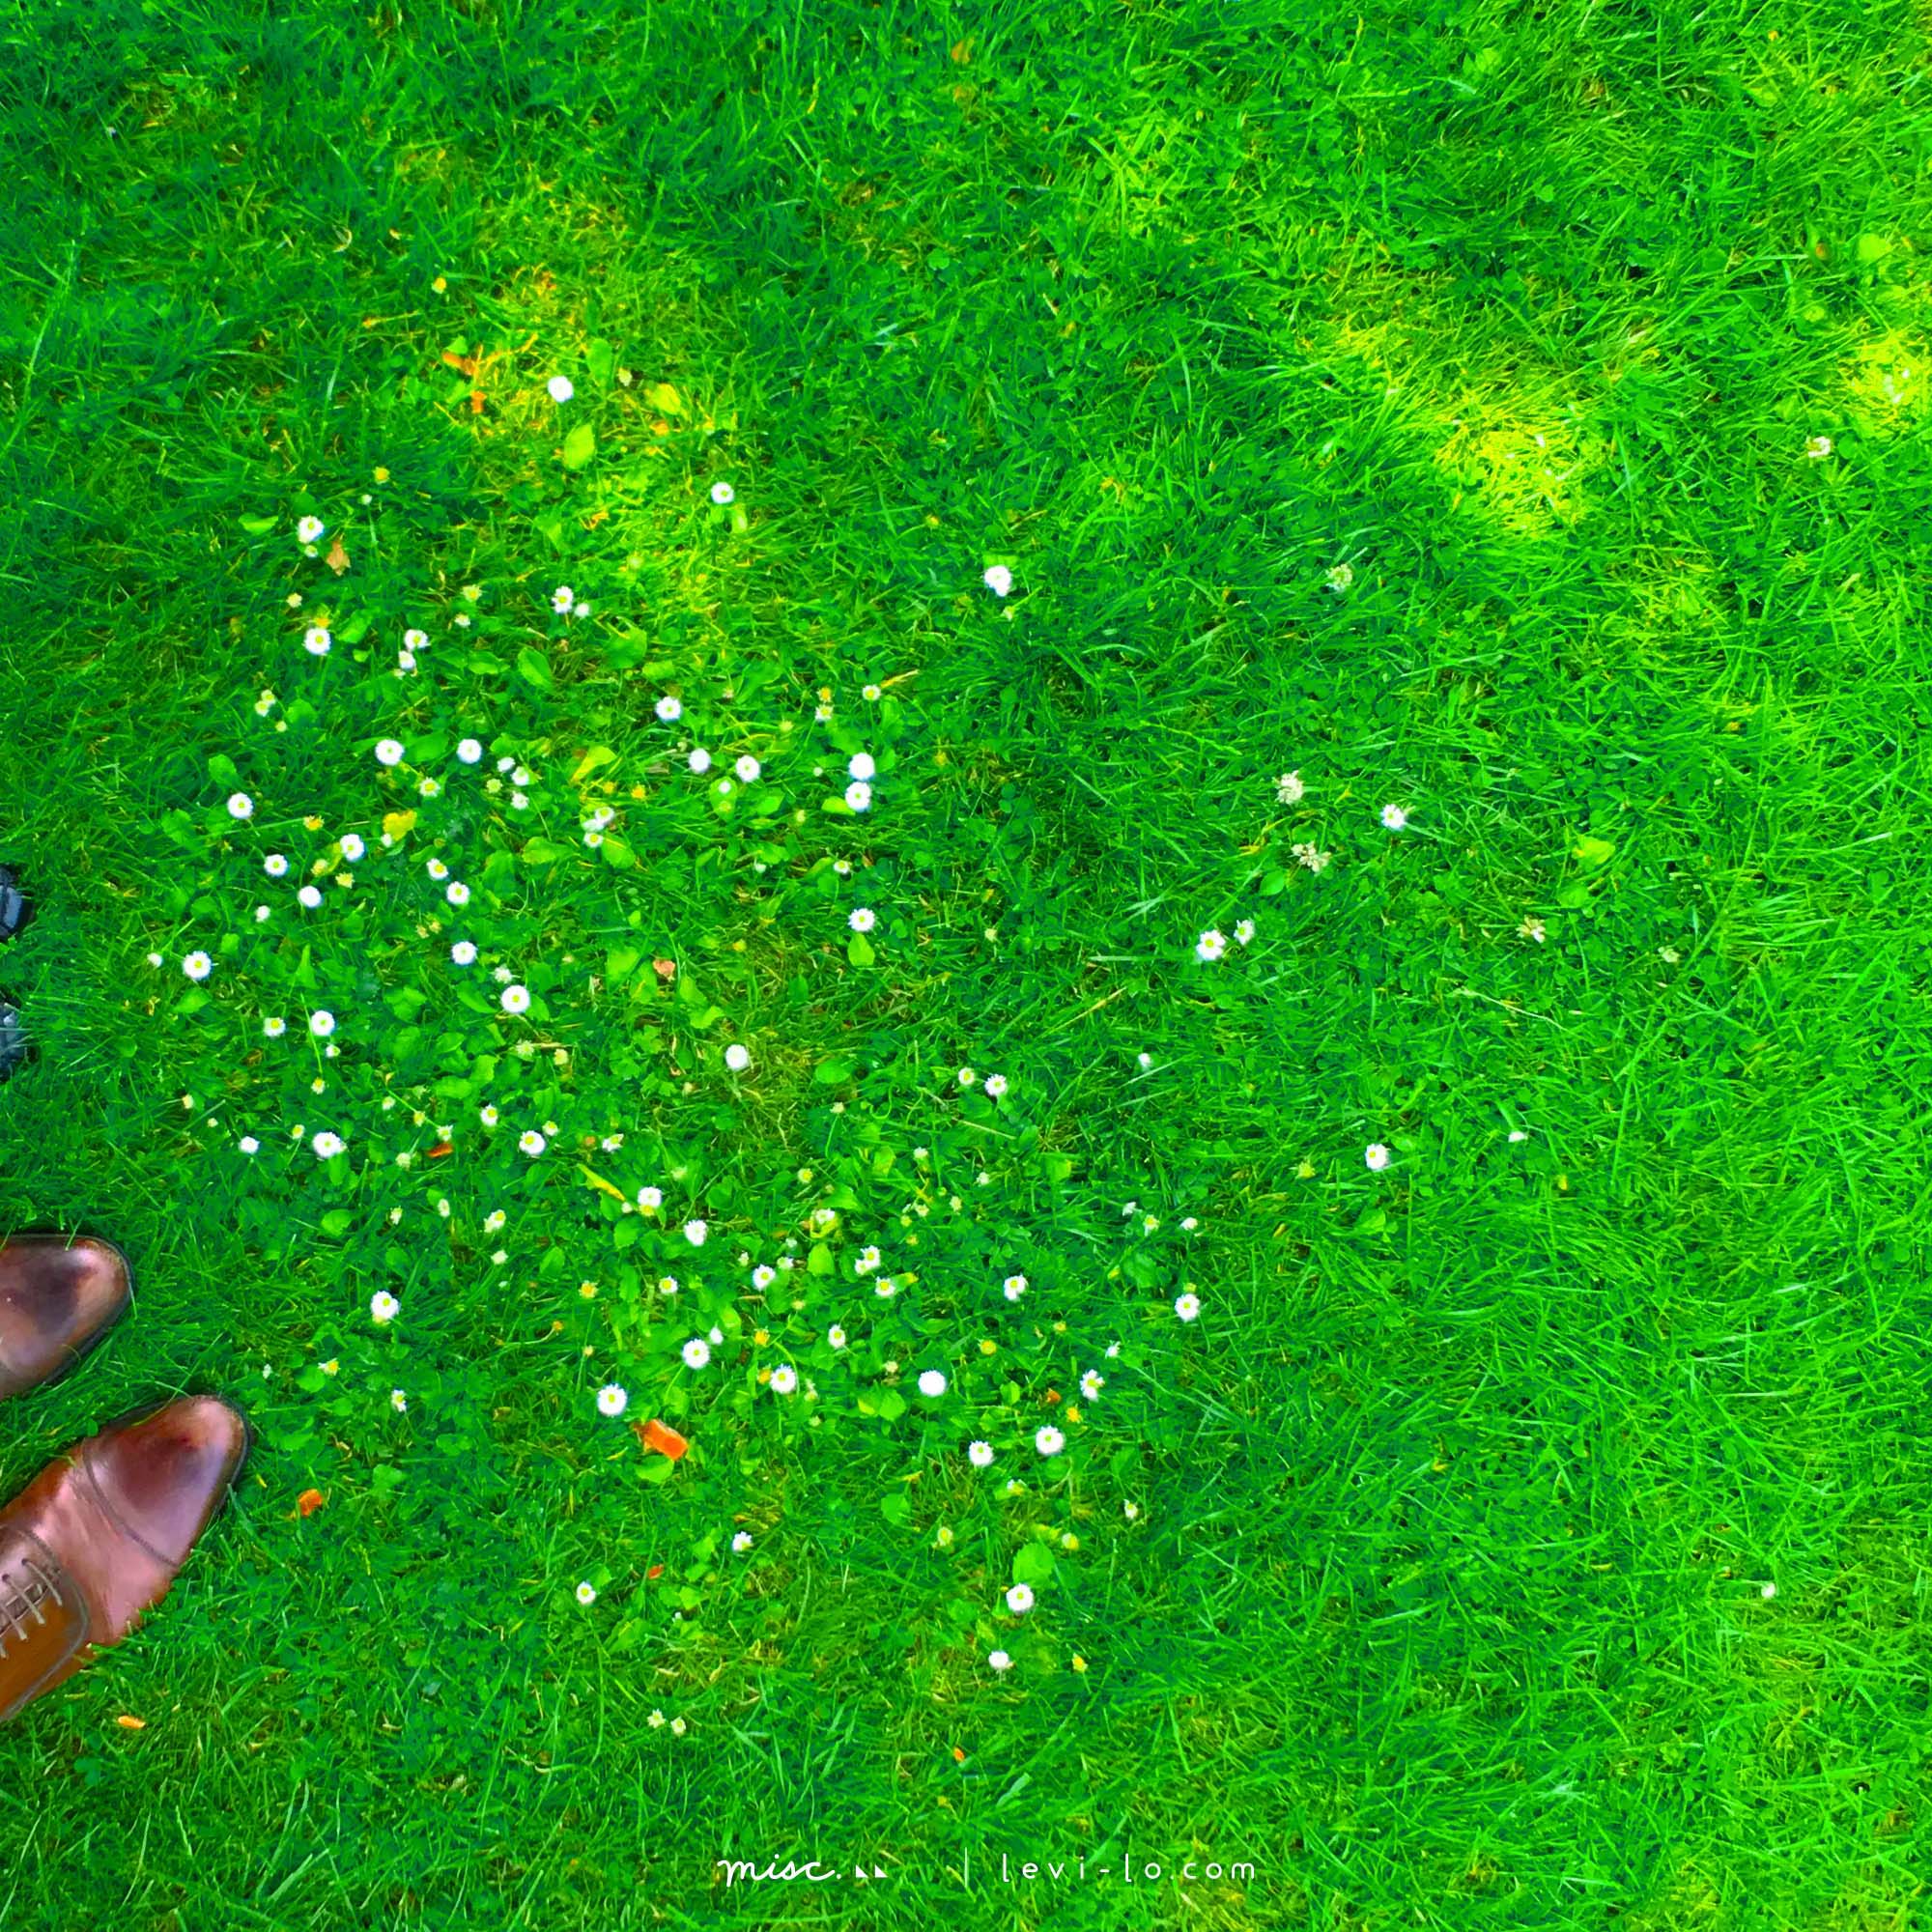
(980, 1454)
(1187, 1306)
(834, 1335)
(742, 1542)
(1019, 1599)
(494, 1220)
(530, 1142)
(1209, 947)
(699, 760)
(560, 388)
(611, 1400)
(415, 640)
(352, 848)
(697, 1353)
(861, 766)
(737, 1057)
(275, 865)
(326, 1145)
(463, 953)
(586, 1594)
(389, 752)
(309, 528)
(321, 1023)
(748, 768)
(1145, 1061)
(764, 1275)
(1244, 931)
(310, 897)
(999, 580)
(784, 1379)
(667, 1284)
(695, 1233)
(383, 1307)
(858, 795)
(275, 1027)
(723, 493)
(241, 805)
(996, 1085)
(1048, 1441)
(670, 709)
(248, 1143)
(999, 1660)
(1375, 1156)
(1394, 817)
(1015, 1286)
(932, 1381)
(516, 998)
(1092, 1383)
(316, 640)
(469, 750)
(563, 598)
(861, 918)
(650, 1198)
(197, 965)
(399, 1402)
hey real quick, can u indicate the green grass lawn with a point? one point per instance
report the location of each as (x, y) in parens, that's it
(1515, 417)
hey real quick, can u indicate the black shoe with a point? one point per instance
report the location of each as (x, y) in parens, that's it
(14, 909)
(14, 1049)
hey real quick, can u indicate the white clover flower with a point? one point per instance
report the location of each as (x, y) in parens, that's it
(980, 1454)
(1394, 817)
(858, 795)
(310, 897)
(784, 1379)
(383, 1307)
(695, 1233)
(1209, 947)
(1817, 448)
(697, 1353)
(699, 760)
(999, 1660)
(996, 1085)
(932, 1381)
(316, 640)
(560, 388)
(650, 1198)
(748, 768)
(999, 580)
(1289, 789)
(414, 640)
(463, 953)
(742, 1542)
(1187, 1306)
(1048, 1441)
(530, 1142)
(518, 802)
(1015, 1286)
(469, 750)
(861, 918)
(1019, 1599)
(586, 1594)
(326, 1145)
(389, 752)
(737, 1057)
(861, 766)
(723, 493)
(309, 528)
(611, 1400)
(670, 709)
(248, 1143)
(405, 661)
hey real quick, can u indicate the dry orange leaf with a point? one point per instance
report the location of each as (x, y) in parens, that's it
(133, 1723)
(463, 365)
(665, 969)
(654, 1435)
(337, 559)
(309, 1501)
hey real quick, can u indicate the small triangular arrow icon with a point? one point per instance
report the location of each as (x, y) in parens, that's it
(877, 1873)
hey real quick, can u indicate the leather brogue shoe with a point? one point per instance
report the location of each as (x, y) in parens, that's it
(97, 1539)
(58, 1296)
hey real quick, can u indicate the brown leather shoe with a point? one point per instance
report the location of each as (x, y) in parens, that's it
(57, 1298)
(94, 1541)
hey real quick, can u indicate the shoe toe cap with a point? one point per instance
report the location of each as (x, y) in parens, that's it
(166, 1474)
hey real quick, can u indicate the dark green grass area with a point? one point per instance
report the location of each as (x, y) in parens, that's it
(1417, 398)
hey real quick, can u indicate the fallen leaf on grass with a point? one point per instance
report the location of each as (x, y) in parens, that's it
(654, 1435)
(133, 1723)
(337, 559)
(309, 1501)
